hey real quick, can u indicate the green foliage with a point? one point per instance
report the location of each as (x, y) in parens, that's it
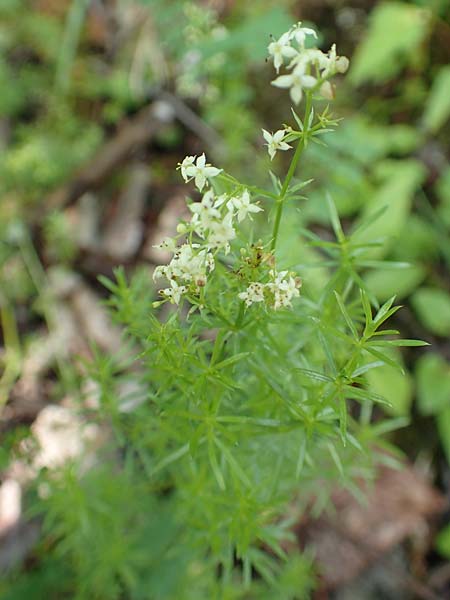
(437, 109)
(395, 33)
(432, 306)
(395, 386)
(229, 413)
(443, 542)
(232, 410)
(433, 384)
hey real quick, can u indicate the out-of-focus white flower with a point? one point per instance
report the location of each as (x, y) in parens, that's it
(200, 171)
(342, 64)
(297, 81)
(335, 63)
(205, 212)
(253, 293)
(327, 91)
(308, 66)
(174, 292)
(187, 162)
(168, 244)
(275, 141)
(299, 33)
(281, 48)
(221, 233)
(284, 288)
(161, 271)
(277, 293)
(243, 205)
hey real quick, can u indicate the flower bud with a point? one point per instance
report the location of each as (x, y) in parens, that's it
(181, 228)
(327, 91)
(342, 64)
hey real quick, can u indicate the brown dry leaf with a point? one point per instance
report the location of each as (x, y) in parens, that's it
(347, 542)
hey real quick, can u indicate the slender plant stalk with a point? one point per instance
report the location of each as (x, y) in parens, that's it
(291, 171)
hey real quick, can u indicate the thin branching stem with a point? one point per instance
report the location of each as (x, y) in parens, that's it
(291, 172)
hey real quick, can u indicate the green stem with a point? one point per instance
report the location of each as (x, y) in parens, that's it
(291, 171)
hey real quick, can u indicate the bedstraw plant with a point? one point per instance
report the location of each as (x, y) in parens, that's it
(247, 400)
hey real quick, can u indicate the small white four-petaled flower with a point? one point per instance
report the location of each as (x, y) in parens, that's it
(254, 293)
(200, 171)
(275, 141)
(281, 48)
(296, 81)
(243, 206)
(299, 33)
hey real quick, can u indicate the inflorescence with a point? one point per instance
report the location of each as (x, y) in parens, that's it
(212, 226)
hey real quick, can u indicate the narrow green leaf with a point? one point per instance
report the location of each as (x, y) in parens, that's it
(364, 395)
(234, 465)
(343, 418)
(336, 459)
(314, 375)
(367, 309)
(400, 343)
(301, 457)
(215, 465)
(361, 370)
(384, 358)
(334, 217)
(297, 119)
(347, 317)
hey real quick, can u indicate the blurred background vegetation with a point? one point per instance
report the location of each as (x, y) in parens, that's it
(99, 102)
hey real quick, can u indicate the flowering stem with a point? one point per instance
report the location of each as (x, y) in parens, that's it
(291, 171)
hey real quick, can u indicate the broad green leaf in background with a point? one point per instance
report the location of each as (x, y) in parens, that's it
(417, 241)
(401, 179)
(433, 384)
(442, 188)
(437, 108)
(392, 42)
(393, 385)
(442, 542)
(443, 423)
(251, 37)
(432, 306)
(385, 283)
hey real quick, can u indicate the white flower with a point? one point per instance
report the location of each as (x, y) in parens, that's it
(174, 292)
(243, 206)
(335, 64)
(280, 48)
(168, 244)
(221, 233)
(254, 293)
(205, 212)
(284, 288)
(187, 162)
(161, 271)
(200, 171)
(326, 90)
(342, 64)
(275, 141)
(299, 33)
(296, 81)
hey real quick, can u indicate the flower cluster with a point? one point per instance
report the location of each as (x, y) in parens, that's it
(310, 67)
(277, 293)
(212, 225)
